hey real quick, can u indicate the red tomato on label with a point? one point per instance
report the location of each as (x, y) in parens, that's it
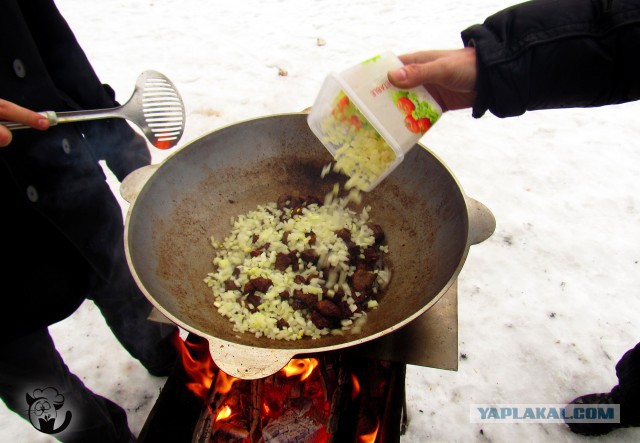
(405, 105)
(340, 109)
(424, 124)
(343, 103)
(355, 121)
(411, 124)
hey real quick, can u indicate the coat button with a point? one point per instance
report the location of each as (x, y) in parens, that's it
(19, 69)
(66, 146)
(32, 194)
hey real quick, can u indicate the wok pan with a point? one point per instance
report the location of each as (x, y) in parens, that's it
(178, 205)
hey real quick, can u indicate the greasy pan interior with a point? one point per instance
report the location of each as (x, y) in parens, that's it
(195, 193)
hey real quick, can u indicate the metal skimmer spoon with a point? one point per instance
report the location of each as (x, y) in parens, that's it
(155, 107)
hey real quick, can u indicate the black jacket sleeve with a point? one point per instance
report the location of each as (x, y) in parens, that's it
(547, 54)
(112, 140)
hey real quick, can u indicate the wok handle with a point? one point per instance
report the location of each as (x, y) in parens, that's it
(135, 181)
(246, 362)
(482, 222)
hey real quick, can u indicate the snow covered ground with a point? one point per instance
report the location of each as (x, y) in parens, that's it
(546, 305)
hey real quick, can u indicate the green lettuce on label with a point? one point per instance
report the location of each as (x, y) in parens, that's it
(422, 108)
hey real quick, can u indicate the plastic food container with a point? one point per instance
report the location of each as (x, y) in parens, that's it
(367, 124)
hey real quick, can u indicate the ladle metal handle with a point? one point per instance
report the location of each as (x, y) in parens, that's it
(14, 126)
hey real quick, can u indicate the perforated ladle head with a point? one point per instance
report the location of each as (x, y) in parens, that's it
(155, 107)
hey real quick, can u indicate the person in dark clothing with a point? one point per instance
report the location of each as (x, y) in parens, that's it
(545, 54)
(65, 225)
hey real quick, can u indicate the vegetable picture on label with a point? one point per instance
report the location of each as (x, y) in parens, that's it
(419, 114)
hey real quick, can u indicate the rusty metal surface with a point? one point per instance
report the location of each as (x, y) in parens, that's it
(197, 191)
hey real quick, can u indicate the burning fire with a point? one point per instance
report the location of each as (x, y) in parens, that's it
(224, 382)
(303, 367)
(197, 364)
(371, 437)
(356, 386)
(224, 413)
(229, 409)
(230, 412)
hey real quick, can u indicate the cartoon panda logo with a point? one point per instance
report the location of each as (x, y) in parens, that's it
(43, 410)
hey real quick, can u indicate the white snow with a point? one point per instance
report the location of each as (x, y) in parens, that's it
(546, 305)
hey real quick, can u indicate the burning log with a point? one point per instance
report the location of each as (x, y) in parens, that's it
(305, 402)
(293, 427)
(230, 432)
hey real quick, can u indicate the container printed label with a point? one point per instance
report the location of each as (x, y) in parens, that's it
(544, 413)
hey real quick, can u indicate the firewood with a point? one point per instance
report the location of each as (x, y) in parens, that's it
(291, 427)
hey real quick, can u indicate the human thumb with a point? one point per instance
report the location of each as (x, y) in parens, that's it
(412, 75)
(5, 137)
(398, 77)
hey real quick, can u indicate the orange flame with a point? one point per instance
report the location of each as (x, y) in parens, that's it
(303, 367)
(224, 413)
(199, 370)
(371, 437)
(224, 383)
(356, 386)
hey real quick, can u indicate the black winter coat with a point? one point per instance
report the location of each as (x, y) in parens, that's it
(548, 54)
(61, 224)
